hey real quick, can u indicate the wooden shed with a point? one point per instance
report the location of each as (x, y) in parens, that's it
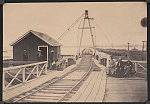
(36, 46)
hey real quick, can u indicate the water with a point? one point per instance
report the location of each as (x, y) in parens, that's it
(65, 50)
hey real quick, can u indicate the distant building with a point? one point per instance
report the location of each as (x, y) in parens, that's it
(36, 46)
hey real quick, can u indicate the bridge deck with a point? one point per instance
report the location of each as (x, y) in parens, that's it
(126, 90)
(12, 92)
(93, 88)
(96, 88)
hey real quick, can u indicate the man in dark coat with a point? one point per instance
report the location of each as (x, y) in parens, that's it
(129, 66)
(120, 67)
(39, 56)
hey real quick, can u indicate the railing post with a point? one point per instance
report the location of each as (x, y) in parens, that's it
(23, 75)
(3, 80)
(136, 67)
(46, 67)
(37, 70)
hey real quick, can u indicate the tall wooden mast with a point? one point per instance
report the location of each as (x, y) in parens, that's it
(86, 17)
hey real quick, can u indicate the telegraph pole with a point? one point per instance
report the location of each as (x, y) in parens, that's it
(143, 49)
(143, 46)
(128, 47)
(144, 24)
(146, 50)
(128, 55)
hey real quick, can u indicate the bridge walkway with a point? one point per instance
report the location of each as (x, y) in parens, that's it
(132, 89)
(93, 88)
(97, 87)
(22, 88)
(89, 84)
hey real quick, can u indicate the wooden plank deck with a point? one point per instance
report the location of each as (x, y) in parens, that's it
(93, 88)
(21, 88)
(98, 87)
(126, 90)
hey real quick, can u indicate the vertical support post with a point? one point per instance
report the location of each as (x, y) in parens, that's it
(128, 47)
(108, 61)
(128, 54)
(46, 67)
(81, 36)
(146, 51)
(3, 80)
(136, 67)
(37, 71)
(143, 47)
(92, 37)
(23, 74)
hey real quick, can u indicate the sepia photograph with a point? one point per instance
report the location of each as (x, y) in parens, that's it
(75, 52)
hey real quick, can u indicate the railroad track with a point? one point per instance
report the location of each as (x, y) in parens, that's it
(59, 89)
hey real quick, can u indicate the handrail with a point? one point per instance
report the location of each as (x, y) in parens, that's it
(21, 66)
(102, 53)
(142, 66)
(144, 62)
(36, 71)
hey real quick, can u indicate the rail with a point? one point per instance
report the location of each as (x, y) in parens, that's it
(13, 76)
(140, 67)
(64, 62)
(10, 63)
(50, 83)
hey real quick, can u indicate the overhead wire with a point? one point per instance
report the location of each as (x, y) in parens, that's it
(69, 28)
(78, 35)
(81, 35)
(94, 32)
(99, 27)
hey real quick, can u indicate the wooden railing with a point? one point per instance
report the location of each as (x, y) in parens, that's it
(10, 63)
(140, 66)
(13, 76)
(64, 62)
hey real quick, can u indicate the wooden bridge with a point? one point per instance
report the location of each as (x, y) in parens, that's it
(85, 81)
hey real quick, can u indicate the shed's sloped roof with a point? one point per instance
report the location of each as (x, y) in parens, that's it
(49, 40)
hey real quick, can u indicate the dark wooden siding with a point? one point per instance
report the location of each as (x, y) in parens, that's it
(29, 43)
(56, 52)
(53, 56)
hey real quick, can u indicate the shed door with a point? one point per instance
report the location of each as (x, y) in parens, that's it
(43, 51)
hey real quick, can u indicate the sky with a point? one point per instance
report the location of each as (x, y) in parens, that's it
(119, 22)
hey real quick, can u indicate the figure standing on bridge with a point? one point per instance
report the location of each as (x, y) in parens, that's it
(128, 68)
(111, 67)
(39, 55)
(120, 67)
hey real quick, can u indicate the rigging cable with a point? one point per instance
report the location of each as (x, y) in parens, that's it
(94, 32)
(78, 35)
(103, 33)
(81, 35)
(69, 28)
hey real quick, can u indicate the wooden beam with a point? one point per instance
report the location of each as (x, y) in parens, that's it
(21, 66)
(86, 28)
(30, 73)
(13, 79)
(23, 75)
